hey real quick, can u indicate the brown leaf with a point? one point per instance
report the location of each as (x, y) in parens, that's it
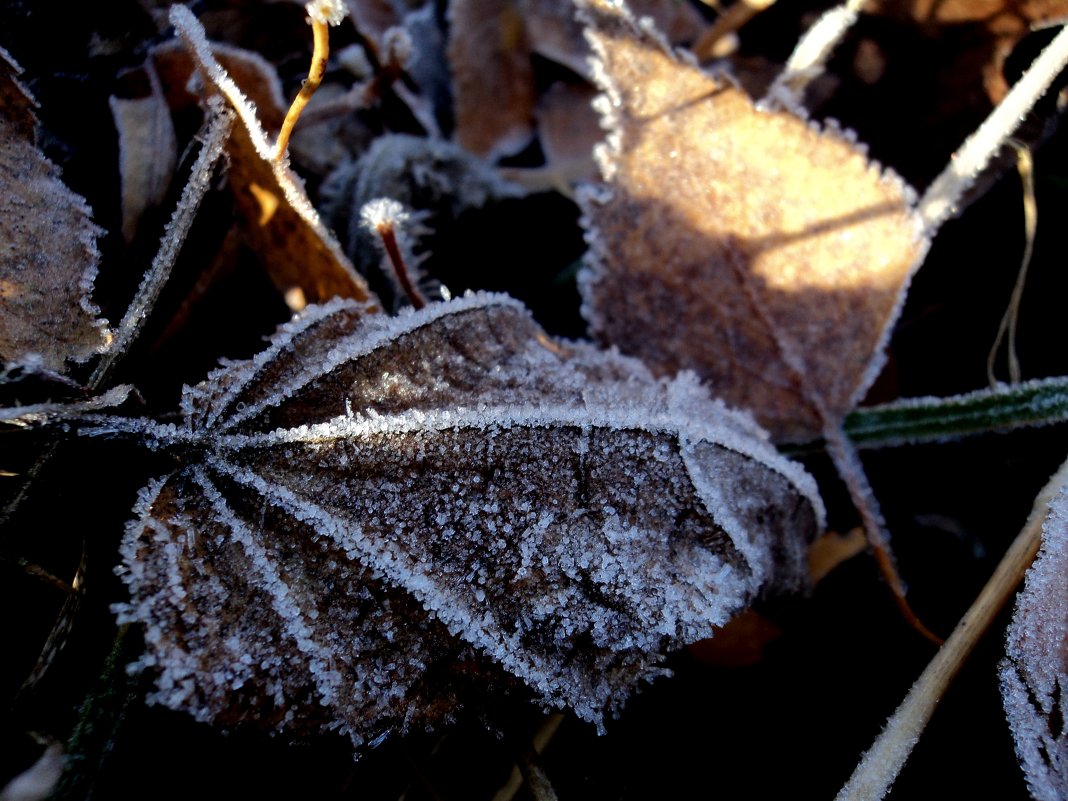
(555, 34)
(48, 252)
(148, 151)
(569, 128)
(280, 224)
(384, 509)
(1034, 674)
(766, 254)
(493, 81)
(994, 28)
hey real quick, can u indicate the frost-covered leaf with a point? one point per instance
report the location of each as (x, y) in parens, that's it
(48, 251)
(373, 508)
(1034, 675)
(279, 221)
(148, 151)
(749, 245)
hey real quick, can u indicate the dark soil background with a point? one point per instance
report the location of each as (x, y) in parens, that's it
(792, 725)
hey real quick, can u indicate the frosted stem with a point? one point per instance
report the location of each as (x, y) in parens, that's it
(1004, 408)
(941, 199)
(847, 462)
(320, 55)
(811, 53)
(880, 766)
(217, 129)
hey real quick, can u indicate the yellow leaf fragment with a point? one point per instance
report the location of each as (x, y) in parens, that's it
(48, 253)
(766, 254)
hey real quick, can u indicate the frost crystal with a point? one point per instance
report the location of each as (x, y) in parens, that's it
(380, 515)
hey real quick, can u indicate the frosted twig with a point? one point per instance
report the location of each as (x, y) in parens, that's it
(811, 53)
(1025, 165)
(214, 133)
(940, 200)
(383, 217)
(880, 766)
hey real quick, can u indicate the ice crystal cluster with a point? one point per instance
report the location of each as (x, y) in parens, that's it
(374, 508)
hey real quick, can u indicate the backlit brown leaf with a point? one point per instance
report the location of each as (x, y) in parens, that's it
(378, 511)
(48, 252)
(749, 245)
(279, 221)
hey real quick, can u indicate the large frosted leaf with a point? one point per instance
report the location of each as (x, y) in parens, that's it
(1034, 675)
(372, 507)
(748, 245)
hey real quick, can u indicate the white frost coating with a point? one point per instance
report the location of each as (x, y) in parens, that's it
(713, 423)
(383, 212)
(192, 33)
(266, 577)
(216, 131)
(330, 12)
(1034, 675)
(453, 610)
(540, 510)
(376, 332)
(242, 375)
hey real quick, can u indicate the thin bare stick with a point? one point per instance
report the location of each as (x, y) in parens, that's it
(320, 55)
(1025, 166)
(882, 763)
(847, 462)
(940, 200)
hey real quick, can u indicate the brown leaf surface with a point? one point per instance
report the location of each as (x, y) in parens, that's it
(493, 80)
(750, 246)
(277, 218)
(381, 501)
(48, 253)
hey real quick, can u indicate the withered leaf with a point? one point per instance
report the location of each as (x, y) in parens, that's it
(372, 507)
(48, 251)
(148, 150)
(1034, 674)
(493, 80)
(283, 227)
(765, 253)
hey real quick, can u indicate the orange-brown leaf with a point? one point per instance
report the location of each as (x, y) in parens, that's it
(748, 245)
(278, 220)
